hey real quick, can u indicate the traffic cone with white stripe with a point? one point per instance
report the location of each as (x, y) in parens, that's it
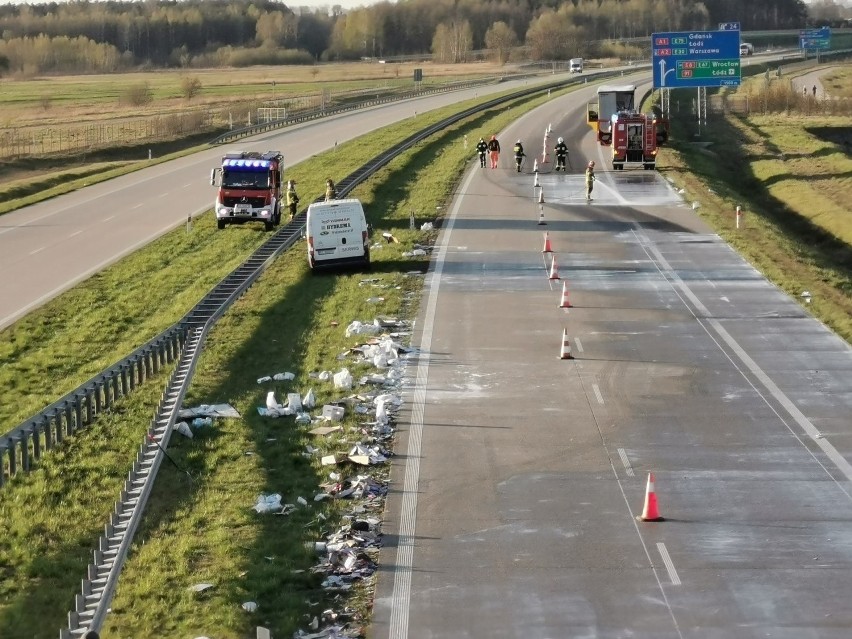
(565, 351)
(565, 303)
(535, 166)
(650, 512)
(554, 273)
(547, 248)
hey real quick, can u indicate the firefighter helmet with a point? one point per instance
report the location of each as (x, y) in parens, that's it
(592, 164)
(560, 140)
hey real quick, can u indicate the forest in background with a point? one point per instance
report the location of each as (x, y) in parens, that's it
(99, 37)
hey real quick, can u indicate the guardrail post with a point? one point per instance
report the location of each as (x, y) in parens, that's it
(25, 451)
(78, 416)
(96, 391)
(44, 425)
(3, 451)
(124, 388)
(155, 358)
(54, 421)
(140, 364)
(90, 416)
(13, 457)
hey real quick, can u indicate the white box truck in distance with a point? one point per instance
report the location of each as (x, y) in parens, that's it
(337, 234)
(576, 65)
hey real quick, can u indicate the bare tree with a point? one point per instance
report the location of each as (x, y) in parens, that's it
(501, 39)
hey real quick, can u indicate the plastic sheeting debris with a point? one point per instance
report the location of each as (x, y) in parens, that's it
(184, 429)
(268, 503)
(343, 379)
(209, 410)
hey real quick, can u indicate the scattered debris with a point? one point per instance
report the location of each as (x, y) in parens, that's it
(209, 410)
(249, 606)
(184, 429)
(268, 503)
(201, 587)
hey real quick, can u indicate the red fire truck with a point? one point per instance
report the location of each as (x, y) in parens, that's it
(634, 137)
(249, 188)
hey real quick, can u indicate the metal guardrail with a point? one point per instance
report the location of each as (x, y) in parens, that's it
(322, 112)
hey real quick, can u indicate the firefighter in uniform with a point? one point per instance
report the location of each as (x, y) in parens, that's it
(330, 190)
(292, 198)
(590, 179)
(561, 151)
(519, 155)
(482, 149)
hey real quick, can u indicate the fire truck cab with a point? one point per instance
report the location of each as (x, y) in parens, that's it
(634, 137)
(249, 188)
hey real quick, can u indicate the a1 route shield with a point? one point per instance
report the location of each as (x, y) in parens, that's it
(696, 59)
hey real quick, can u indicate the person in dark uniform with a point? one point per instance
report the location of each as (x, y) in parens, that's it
(292, 198)
(482, 149)
(561, 151)
(519, 155)
(330, 190)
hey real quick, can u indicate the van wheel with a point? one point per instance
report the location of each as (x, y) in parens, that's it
(220, 224)
(268, 226)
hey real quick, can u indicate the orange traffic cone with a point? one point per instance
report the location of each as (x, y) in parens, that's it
(650, 511)
(547, 248)
(565, 352)
(565, 303)
(554, 274)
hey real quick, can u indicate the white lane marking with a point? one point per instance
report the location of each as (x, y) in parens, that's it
(597, 392)
(188, 184)
(107, 219)
(38, 250)
(627, 467)
(578, 344)
(75, 234)
(403, 569)
(819, 439)
(668, 563)
(138, 205)
(164, 194)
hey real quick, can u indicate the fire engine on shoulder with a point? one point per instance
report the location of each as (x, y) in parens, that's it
(633, 136)
(249, 188)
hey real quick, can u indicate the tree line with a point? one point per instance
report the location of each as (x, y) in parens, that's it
(84, 36)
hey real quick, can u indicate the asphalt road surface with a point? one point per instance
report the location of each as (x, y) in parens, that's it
(519, 475)
(47, 248)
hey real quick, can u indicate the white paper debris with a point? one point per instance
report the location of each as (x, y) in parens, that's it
(294, 402)
(309, 401)
(271, 402)
(184, 429)
(249, 606)
(343, 379)
(331, 413)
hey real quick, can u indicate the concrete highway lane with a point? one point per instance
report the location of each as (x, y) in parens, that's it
(48, 247)
(520, 475)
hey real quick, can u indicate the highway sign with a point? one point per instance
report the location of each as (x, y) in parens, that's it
(729, 26)
(815, 38)
(697, 59)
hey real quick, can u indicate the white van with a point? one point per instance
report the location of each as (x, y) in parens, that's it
(575, 65)
(337, 234)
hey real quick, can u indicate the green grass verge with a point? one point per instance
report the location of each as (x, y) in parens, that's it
(794, 183)
(205, 530)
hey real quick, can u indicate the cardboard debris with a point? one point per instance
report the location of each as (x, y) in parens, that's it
(364, 460)
(325, 430)
(330, 460)
(200, 587)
